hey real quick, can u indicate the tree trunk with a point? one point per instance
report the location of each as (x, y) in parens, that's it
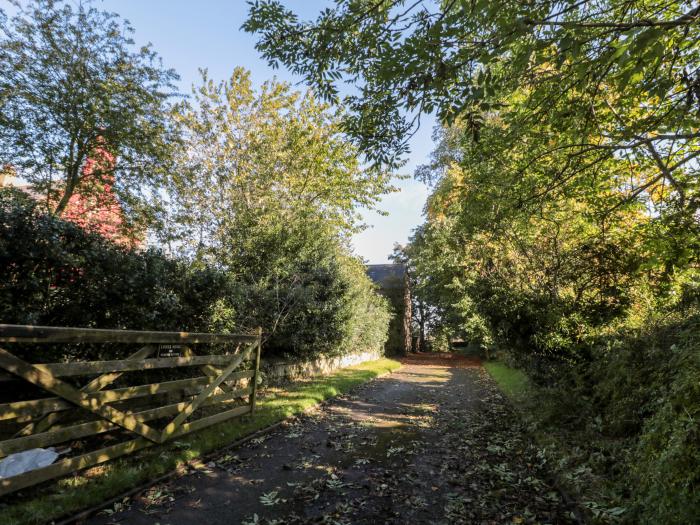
(67, 193)
(407, 336)
(421, 327)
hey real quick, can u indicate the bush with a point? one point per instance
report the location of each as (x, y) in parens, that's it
(667, 458)
(295, 279)
(648, 389)
(54, 273)
(632, 416)
(297, 283)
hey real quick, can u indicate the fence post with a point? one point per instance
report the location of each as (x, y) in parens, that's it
(253, 394)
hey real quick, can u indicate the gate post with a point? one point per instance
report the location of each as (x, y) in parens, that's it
(253, 394)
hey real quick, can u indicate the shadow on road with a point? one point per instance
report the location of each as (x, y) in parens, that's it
(432, 443)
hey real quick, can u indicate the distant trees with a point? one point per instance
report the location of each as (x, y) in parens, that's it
(422, 315)
(71, 83)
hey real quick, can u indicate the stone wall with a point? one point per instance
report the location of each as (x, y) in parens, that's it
(278, 370)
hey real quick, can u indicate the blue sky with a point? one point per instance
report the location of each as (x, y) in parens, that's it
(206, 33)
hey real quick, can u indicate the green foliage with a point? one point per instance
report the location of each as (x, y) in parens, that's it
(267, 190)
(310, 297)
(563, 220)
(590, 293)
(667, 459)
(622, 432)
(262, 188)
(368, 312)
(647, 387)
(54, 273)
(72, 81)
(456, 59)
(262, 157)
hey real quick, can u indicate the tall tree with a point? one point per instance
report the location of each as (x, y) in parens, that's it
(72, 83)
(267, 187)
(260, 157)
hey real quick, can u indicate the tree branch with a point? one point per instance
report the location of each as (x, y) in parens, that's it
(688, 18)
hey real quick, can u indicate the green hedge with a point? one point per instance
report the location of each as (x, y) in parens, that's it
(308, 294)
(625, 427)
(647, 388)
(54, 273)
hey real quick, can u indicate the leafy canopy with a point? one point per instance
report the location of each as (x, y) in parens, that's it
(256, 158)
(609, 78)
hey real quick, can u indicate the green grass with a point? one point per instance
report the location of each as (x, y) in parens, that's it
(579, 457)
(513, 382)
(70, 495)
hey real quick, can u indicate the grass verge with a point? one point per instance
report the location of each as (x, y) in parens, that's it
(47, 502)
(579, 457)
(513, 382)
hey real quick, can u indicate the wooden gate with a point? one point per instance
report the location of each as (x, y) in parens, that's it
(94, 409)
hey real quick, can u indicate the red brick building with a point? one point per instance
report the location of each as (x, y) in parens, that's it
(93, 206)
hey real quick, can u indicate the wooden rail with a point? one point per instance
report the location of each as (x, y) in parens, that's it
(94, 409)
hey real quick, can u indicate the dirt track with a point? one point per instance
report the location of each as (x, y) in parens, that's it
(432, 443)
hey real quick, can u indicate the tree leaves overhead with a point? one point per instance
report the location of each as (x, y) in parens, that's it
(617, 77)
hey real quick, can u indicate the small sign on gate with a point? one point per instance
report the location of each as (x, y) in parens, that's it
(170, 351)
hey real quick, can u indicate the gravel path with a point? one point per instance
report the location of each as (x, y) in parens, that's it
(434, 442)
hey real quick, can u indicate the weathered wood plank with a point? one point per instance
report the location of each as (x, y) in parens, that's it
(92, 428)
(38, 407)
(48, 382)
(203, 395)
(210, 370)
(104, 380)
(70, 465)
(100, 367)
(52, 334)
(52, 437)
(229, 396)
(218, 389)
(95, 385)
(22, 411)
(207, 421)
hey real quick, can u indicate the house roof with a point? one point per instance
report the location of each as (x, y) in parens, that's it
(387, 275)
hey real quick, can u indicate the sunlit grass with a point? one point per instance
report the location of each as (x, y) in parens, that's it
(70, 495)
(513, 382)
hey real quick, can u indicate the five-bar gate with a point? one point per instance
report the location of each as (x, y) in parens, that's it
(97, 407)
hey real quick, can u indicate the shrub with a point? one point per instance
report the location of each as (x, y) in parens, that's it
(292, 279)
(54, 273)
(667, 458)
(649, 390)
(638, 400)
